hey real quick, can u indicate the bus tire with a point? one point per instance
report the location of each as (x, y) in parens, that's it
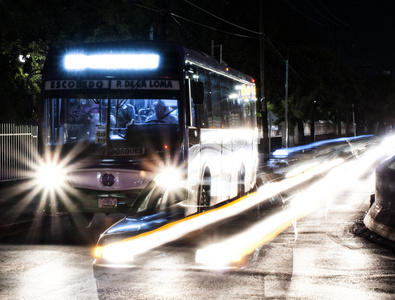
(204, 192)
(81, 220)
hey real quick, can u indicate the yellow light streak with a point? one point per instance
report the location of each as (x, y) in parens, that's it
(301, 207)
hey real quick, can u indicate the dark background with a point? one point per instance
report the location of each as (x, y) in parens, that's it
(339, 52)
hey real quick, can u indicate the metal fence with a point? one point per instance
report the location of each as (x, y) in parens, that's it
(18, 151)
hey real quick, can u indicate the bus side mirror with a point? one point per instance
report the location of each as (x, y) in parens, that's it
(197, 92)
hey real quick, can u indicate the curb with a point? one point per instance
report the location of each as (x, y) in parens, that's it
(13, 228)
(359, 229)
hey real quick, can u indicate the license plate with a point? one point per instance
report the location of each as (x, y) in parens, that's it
(107, 202)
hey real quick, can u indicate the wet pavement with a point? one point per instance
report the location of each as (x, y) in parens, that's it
(326, 254)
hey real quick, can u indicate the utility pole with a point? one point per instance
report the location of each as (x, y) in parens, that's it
(213, 52)
(263, 103)
(312, 130)
(353, 121)
(286, 103)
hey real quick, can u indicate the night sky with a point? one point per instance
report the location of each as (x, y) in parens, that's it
(365, 29)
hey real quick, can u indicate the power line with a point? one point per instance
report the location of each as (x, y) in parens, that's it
(235, 34)
(243, 28)
(303, 14)
(333, 14)
(223, 20)
(189, 34)
(351, 32)
(148, 6)
(210, 27)
(337, 22)
(319, 12)
(260, 34)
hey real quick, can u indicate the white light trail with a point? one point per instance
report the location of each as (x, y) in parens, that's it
(129, 248)
(320, 194)
(262, 232)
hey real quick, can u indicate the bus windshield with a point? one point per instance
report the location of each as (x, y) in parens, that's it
(108, 121)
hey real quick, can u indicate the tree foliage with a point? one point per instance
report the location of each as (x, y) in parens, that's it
(28, 29)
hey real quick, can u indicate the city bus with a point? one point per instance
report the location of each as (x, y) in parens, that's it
(114, 116)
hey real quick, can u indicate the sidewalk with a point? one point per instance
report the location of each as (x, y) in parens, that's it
(15, 206)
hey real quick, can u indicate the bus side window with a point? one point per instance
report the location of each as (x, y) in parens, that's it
(193, 109)
(226, 92)
(197, 92)
(216, 102)
(203, 102)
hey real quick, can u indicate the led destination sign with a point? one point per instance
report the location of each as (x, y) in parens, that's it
(113, 84)
(111, 61)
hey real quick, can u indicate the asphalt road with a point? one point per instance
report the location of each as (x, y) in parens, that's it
(325, 253)
(320, 258)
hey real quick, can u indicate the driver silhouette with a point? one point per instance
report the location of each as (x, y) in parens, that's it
(161, 114)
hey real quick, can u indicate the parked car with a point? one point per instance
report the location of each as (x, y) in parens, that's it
(381, 215)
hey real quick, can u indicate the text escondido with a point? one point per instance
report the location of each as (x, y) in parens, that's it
(112, 84)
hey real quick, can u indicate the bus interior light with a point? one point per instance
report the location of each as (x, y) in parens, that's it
(111, 61)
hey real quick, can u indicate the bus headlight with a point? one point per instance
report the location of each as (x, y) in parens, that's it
(50, 176)
(169, 177)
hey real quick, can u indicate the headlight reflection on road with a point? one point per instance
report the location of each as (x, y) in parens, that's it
(233, 250)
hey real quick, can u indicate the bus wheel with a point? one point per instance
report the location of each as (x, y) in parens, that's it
(81, 220)
(204, 197)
